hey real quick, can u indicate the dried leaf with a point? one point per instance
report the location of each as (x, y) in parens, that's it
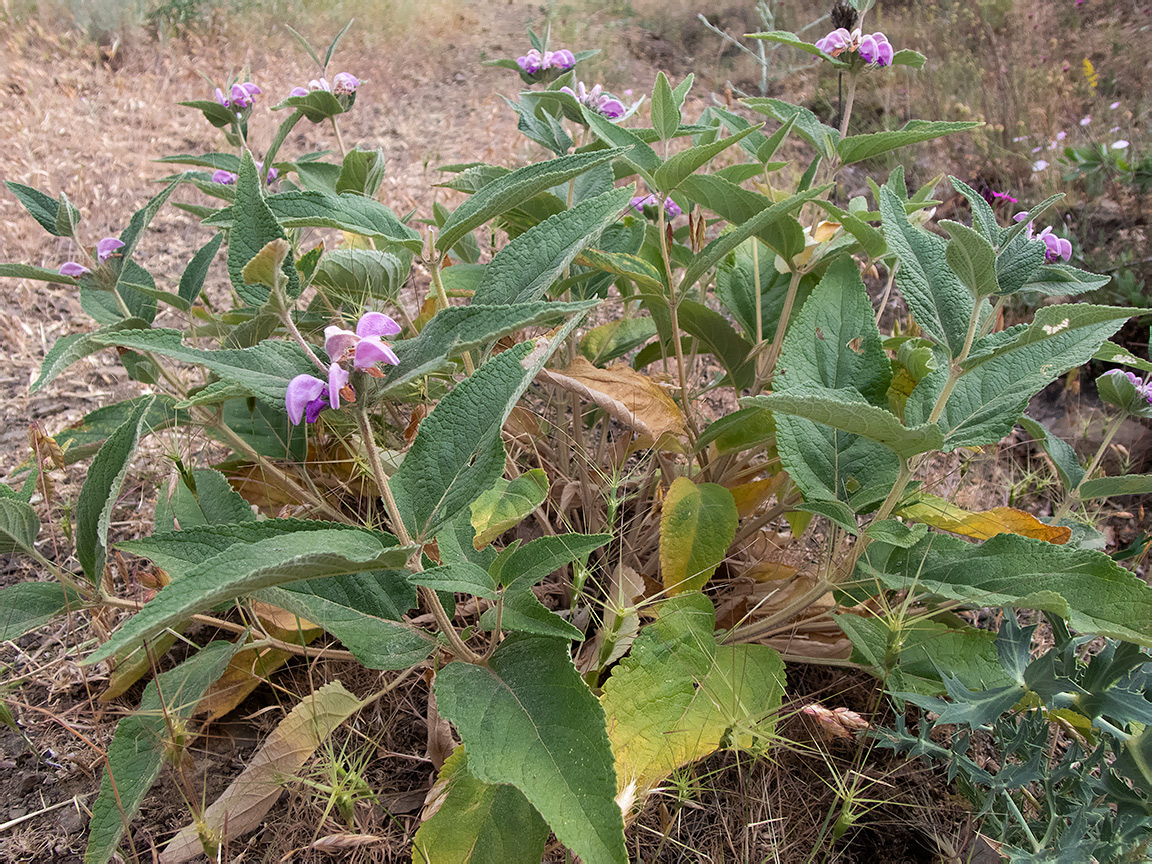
(981, 526)
(251, 795)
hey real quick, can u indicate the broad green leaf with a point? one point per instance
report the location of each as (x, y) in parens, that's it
(221, 161)
(83, 439)
(1110, 352)
(209, 500)
(524, 613)
(697, 525)
(680, 91)
(254, 228)
(857, 148)
(942, 514)
(834, 342)
(512, 189)
(847, 412)
(939, 301)
(1087, 588)
(462, 328)
(665, 111)
(243, 805)
(998, 384)
(805, 123)
(317, 106)
(361, 172)
(507, 504)
(282, 132)
(633, 267)
(739, 431)
(629, 146)
(716, 335)
(542, 557)
(672, 173)
(69, 349)
(1106, 487)
(736, 288)
(28, 605)
(527, 267)
(100, 491)
(19, 526)
(983, 216)
(42, 207)
(1062, 454)
(355, 214)
(835, 511)
(213, 112)
(870, 239)
(1058, 280)
(538, 124)
(528, 719)
(896, 533)
(458, 452)
(358, 275)
(678, 696)
(473, 822)
(243, 569)
(971, 257)
(142, 741)
(461, 576)
(921, 649)
(738, 206)
(783, 37)
(40, 274)
(908, 57)
(364, 612)
(263, 370)
(614, 339)
(1019, 262)
(729, 240)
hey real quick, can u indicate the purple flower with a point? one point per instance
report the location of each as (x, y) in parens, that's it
(1054, 247)
(605, 104)
(365, 345)
(345, 84)
(244, 95)
(1039, 165)
(1005, 196)
(1119, 145)
(562, 59)
(836, 41)
(298, 91)
(225, 178)
(1086, 119)
(221, 98)
(530, 63)
(320, 84)
(71, 268)
(106, 247)
(647, 204)
(533, 63)
(273, 173)
(875, 48)
(307, 396)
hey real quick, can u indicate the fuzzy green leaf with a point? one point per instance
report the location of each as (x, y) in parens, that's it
(697, 525)
(28, 605)
(254, 228)
(857, 148)
(665, 111)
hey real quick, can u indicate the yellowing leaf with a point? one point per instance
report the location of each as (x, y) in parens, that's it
(628, 396)
(507, 504)
(263, 269)
(697, 525)
(981, 526)
(749, 496)
(251, 795)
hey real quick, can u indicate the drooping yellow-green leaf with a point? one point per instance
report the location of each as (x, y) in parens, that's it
(981, 526)
(678, 696)
(507, 504)
(697, 526)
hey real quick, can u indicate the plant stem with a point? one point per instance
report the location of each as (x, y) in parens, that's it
(685, 402)
(462, 651)
(887, 291)
(957, 366)
(442, 303)
(764, 375)
(848, 100)
(756, 285)
(1109, 433)
(339, 138)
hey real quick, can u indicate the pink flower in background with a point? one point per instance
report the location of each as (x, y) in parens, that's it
(306, 397)
(598, 100)
(244, 95)
(1039, 165)
(1119, 145)
(1004, 196)
(1086, 119)
(642, 202)
(1114, 106)
(534, 62)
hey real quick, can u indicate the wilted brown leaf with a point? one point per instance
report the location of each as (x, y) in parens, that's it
(981, 526)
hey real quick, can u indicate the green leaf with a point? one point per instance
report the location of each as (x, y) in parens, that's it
(983, 216)
(523, 613)
(40, 274)
(870, 239)
(805, 123)
(255, 227)
(736, 288)
(1110, 352)
(101, 489)
(896, 533)
(458, 452)
(639, 270)
(143, 740)
(529, 720)
(738, 431)
(83, 439)
(457, 329)
(665, 111)
(1058, 280)
(263, 370)
(209, 501)
(729, 240)
(462, 576)
(364, 612)
(680, 92)
(1106, 487)
(716, 335)
(678, 696)
(19, 526)
(361, 172)
(476, 823)
(613, 340)
(69, 349)
(510, 190)
(221, 161)
(26, 606)
(507, 504)
(630, 147)
(542, 557)
(527, 267)
(1087, 588)
(738, 206)
(358, 275)
(835, 511)
(857, 148)
(1062, 454)
(679, 167)
(842, 410)
(971, 257)
(998, 384)
(42, 207)
(213, 112)
(245, 568)
(317, 106)
(332, 45)
(939, 301)
(697, 525)
(908, 57)
(783, 37)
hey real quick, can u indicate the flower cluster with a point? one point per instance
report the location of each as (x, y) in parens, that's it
(104, 250)
(600, 101)
(308, 395)
(872, 49)
(1055, 247)
(227, 178)
(242, 95)
(647, 204)
(533, 63)
(343, 84)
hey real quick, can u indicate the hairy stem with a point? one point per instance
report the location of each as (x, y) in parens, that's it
(1072, 497)
(768, 367)
(685, 402)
